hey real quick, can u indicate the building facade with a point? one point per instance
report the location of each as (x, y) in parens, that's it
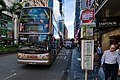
(34, 2)
(61, 27)
(107, 14)
(6, 26)
(65, 32)
(77, 18)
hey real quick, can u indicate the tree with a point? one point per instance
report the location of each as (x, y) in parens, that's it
(3, 6)
(15, 10)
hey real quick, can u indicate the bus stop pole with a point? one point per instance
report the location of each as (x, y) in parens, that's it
(86, 74)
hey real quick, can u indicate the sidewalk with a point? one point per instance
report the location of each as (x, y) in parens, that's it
(76, 73)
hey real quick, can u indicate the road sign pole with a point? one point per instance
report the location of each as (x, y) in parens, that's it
(86, 74)
(87, 40)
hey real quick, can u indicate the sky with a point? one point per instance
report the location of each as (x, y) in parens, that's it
(69, 14)
(69, 11)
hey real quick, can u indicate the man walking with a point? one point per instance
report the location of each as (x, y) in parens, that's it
(110, 59)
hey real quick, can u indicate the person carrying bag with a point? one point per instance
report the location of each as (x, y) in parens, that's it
(110, 58)
(101, 73)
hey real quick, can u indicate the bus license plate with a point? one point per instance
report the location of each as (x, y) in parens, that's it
(31, 57)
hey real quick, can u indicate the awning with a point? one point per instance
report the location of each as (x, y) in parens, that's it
(108, 7)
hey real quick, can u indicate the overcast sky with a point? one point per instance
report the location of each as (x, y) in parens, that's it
(69, 11)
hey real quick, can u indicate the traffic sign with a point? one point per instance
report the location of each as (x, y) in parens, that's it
(87, 16)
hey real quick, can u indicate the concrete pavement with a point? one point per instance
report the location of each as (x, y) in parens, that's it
(76, 73)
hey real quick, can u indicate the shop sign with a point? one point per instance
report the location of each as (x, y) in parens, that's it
(108, 21)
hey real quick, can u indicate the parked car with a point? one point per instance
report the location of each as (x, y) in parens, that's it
(68, 44)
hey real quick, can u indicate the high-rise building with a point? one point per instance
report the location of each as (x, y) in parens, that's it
(61, 5)
(65, 32)
(77, 18)
(62, 27)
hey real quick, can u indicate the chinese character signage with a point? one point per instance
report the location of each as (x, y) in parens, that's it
(87, 54)
(86, 31)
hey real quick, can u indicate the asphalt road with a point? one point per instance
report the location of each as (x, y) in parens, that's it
(10, 70)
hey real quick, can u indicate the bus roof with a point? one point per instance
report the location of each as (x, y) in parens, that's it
(36, 7)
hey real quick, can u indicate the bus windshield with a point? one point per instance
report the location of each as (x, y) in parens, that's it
(34, 42)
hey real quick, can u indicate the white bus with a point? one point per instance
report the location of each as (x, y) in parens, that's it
(37, 44)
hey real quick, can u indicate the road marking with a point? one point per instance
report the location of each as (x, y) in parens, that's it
(61, 57)
(65, 57)
(79, 59)
(77, 75)
(10, 76)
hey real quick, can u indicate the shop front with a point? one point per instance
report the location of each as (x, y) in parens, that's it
(6, 30)
(107, 16)
(109, 29)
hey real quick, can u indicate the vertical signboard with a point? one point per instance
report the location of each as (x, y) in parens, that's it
(86, 31)
(87, 54)
(86, 4)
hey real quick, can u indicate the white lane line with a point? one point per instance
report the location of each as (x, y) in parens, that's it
(57, 57)
(79, 59)
(65, 57)
(10, 76)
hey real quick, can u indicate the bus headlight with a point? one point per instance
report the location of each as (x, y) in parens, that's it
(45, 57)
(20, 55)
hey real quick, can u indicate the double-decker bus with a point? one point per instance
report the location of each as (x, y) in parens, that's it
(37, 41)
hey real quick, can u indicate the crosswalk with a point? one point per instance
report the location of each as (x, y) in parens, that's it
(63, 54)
(61, 57)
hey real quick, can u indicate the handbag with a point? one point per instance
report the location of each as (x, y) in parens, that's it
(101, 74)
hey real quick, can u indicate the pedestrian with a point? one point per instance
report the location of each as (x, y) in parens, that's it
(109, 59)
(99, 52)
(118, 50)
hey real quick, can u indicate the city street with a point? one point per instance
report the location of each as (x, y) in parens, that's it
(10, 70)
(59, 39)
